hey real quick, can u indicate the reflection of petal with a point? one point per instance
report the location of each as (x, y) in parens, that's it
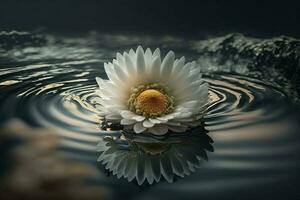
(148, 157)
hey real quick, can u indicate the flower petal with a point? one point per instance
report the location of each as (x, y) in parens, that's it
(158, 129)
(154, 121)
(178, 129)
(127, 114)
(189, 104)
(109, 69)
(138, 118)
(155, 69)
(167, 65)
(120, 73)
(113, 117)
(99, 81)
(129, 65)
(148, 57)
(132, 54)
(127, 121)
(140, 61)
(179, 65)
(121, 60)
(148, 124)
(156, 53)
(138, 127)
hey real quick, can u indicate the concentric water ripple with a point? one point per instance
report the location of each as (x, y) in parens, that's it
(236, 101)
(254, 141)
(63, 98)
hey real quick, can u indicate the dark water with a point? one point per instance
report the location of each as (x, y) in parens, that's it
(253, 124)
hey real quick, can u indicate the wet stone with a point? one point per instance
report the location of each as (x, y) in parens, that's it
(278, 58)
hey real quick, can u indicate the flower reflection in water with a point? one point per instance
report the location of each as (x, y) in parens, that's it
(149, 157)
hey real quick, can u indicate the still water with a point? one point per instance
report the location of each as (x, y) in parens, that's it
(251, 125)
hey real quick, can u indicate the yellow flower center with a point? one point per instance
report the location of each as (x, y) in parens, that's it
(150, 100)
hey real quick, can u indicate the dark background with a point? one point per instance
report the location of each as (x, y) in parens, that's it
(264, 18)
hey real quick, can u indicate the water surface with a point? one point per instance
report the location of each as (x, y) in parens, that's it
(253, 123)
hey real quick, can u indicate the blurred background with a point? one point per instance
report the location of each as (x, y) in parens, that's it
(265, 18)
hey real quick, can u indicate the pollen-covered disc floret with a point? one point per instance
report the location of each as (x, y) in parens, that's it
(150, 101)
(145, 93)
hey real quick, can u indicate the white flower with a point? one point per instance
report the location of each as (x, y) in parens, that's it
(144, 93)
